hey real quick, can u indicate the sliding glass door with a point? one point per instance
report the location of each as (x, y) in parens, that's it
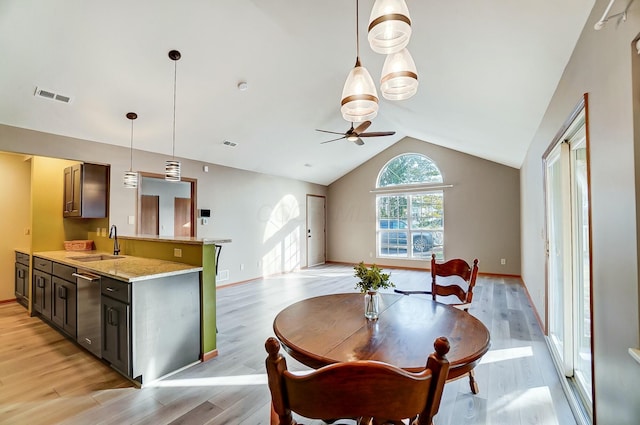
(581, 265)
(568, 257)
(559, 251)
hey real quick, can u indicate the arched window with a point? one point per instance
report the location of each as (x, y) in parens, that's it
(410, 212)
(410, 168)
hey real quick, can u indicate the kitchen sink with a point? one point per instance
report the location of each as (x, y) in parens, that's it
(87, 258)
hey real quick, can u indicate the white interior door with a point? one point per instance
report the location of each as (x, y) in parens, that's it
(316, 233)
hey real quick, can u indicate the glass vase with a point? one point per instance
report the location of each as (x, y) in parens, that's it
(371, 305)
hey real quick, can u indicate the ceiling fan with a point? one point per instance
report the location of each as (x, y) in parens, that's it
(354, 134)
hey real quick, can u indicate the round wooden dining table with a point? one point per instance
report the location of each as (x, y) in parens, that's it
(332, 328)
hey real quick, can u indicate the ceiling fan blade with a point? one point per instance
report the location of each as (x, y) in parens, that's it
(362, 127)
(377, 134)
(358, 142)
(327, 131)
(333, 140)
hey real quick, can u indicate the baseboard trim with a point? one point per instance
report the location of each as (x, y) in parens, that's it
(210, 355)
(13, 300)
(533, 307)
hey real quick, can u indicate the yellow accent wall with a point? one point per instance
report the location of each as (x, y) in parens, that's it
(15, 175)
(50, 228)
(46, 203)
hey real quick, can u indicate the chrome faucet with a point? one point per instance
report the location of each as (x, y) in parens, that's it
(113, 234)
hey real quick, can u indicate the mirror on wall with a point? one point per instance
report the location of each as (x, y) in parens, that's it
(166, 208)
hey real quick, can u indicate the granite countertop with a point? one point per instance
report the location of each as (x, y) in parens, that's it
(125, 267)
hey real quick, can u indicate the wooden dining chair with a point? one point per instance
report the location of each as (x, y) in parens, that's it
(454, 274)
(455, 278)
(371, 391)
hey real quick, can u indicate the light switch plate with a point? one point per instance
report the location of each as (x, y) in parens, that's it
(132, 219)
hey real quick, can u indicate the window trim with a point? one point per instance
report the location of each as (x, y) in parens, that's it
(409, 189)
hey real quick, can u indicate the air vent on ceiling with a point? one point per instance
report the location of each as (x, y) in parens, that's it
(230, 143)
(48, 94)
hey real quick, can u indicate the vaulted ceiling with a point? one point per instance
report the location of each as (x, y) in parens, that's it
(487, 71)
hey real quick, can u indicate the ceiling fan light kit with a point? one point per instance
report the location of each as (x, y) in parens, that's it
(389, 26)
(399, 79)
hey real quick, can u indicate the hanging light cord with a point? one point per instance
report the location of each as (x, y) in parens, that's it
(357, 33)
(175, 73)
(131, 149)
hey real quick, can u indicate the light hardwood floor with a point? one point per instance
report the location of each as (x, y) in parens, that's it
(46, 379)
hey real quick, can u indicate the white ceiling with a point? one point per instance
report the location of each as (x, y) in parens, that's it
(487, 71)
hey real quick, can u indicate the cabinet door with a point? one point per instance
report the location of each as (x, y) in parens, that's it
(72, 190)
(22, 285)
(68, 192)
(64, 306)
(115, 334)
(58, 303)
(42, 293)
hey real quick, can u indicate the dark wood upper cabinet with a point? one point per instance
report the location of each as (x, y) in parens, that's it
(86, 191)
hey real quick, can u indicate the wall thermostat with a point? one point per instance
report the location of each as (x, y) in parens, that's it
(204, 213)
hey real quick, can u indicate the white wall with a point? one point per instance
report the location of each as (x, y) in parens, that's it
(601, 67)
(263, 215)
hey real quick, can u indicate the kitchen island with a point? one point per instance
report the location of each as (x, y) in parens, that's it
(141, 315)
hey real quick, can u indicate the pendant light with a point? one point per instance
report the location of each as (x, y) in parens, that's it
(131, 177)
(399, 79)
(359, 95)
(172, 167)
(389, 26)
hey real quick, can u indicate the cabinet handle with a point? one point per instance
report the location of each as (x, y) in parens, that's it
(109, 289)
(40, 282)
(21, 274)
(112, 317)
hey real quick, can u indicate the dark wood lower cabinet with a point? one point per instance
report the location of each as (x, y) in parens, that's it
(115, 334)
